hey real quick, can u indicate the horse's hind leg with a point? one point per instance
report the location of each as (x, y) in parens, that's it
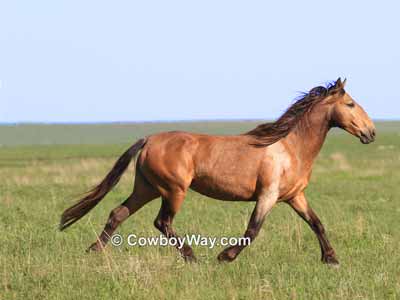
(169, 207)
(142, 194)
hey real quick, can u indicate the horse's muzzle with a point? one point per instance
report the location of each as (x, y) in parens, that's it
(368, 136)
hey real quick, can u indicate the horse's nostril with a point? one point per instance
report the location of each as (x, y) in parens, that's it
(368, 135)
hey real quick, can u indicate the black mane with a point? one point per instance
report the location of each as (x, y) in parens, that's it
(269, 133)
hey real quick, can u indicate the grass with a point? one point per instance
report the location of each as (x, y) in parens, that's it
(354, 190)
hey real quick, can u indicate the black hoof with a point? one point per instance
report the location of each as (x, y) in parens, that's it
(330, 260)
(190, 259)
(227, 256)
(95, 247)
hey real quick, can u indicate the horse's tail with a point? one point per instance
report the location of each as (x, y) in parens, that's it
(94, 196)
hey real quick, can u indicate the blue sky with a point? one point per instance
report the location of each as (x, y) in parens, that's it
(90, 61)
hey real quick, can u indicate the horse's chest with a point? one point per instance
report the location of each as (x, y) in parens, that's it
(293, 182)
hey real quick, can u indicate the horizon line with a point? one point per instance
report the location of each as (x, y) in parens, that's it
(150, 121)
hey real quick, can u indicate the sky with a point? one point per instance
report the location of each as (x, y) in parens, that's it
(131, 61)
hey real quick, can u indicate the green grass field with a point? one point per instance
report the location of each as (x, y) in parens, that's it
(354, 190)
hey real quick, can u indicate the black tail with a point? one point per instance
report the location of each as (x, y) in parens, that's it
(94, 196)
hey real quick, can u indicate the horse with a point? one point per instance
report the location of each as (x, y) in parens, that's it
(267, 165)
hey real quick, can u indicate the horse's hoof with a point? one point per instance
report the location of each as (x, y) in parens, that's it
(94, 248)
(331, 261)
(190, 259)
(226, 256)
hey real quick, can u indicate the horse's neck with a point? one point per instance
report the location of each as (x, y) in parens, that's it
(308, 138)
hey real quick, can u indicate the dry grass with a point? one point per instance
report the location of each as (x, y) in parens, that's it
(340, 160)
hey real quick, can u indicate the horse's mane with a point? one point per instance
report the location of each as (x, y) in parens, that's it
(269, 133)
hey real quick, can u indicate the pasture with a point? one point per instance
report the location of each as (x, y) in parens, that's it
(43, 168)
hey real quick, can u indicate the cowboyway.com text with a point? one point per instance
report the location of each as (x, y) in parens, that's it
(191, 240)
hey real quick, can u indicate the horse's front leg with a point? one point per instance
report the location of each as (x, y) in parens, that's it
(264, 204)
(300, 205)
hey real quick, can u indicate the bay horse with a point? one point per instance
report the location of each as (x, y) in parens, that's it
(269, 164)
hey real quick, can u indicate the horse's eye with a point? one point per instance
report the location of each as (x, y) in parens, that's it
(350, 104)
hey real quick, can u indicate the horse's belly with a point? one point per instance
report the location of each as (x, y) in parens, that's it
(224, 187)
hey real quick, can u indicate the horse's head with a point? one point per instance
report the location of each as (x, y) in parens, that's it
(350, 116)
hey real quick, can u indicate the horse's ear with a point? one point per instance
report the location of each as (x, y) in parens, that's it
(344, 82)
(339, 83)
